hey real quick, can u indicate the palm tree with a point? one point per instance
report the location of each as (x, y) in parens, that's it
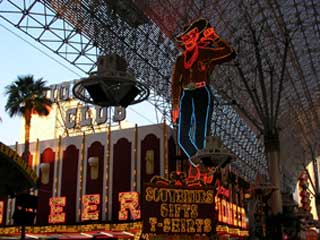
(26, 96)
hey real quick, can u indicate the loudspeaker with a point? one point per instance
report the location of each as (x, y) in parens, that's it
(96, 93)
(129, 97)
(118, 94)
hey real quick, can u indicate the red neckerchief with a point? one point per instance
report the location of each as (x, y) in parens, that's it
(195, 54)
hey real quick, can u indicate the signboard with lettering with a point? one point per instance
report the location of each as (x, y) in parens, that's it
(72, 117)
(128, 201)
(177, 209)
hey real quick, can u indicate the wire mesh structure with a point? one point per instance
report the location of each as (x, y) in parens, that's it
(272, 85)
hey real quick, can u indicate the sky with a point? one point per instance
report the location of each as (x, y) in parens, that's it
(21, 55)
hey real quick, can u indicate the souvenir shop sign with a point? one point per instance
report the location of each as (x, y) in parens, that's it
(177, 210)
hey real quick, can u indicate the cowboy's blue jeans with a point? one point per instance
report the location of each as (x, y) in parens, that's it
(194, 119)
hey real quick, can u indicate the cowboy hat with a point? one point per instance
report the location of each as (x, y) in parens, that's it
(200, 23)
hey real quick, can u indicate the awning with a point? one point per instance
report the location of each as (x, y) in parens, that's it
(129, 230)
(15, 174)
(68, 236)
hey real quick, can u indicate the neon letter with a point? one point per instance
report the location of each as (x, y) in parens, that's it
(129, 201)
(90, 207)
(101, 114)
(71, 118)
(86, 119)
(56, 210)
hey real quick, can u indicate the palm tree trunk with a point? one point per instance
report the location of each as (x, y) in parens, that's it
(27, 127)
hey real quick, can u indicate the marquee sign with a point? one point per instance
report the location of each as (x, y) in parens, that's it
(75, 115)
(175, 206)
(177, 209)
(230, 213)
(128, 201)
(183, 205)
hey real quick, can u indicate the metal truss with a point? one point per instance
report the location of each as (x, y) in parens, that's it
(45, 26)
(80, 38)
(239, 139)
(78, 31)
(273, 85)
(274, 82)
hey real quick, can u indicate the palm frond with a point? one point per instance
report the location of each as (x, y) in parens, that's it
(27, 93)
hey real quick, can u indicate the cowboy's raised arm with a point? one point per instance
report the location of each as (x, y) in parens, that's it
(176, 87)
(222, 51)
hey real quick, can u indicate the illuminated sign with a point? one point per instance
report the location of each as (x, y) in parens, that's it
(1, 211)
(82, 116)
(107, 227)
(61, 92)
(229, 213)
(85, 116)
(223, 191)
(13, 155)
(177, 210)
(129, 202)
(90, 205)
(196, 174)
(223, 229)
(56, 210)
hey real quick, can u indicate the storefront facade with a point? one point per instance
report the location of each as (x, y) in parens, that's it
(119, 184)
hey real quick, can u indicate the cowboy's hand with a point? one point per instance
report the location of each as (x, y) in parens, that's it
(175, 115)
(209, 36)
(210, 33)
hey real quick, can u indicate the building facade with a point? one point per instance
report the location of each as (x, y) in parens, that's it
(100, 166)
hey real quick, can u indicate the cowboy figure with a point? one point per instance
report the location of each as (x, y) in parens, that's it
(191, 94)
